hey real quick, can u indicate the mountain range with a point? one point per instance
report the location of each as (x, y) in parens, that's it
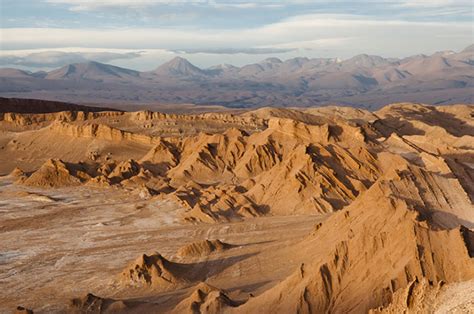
(367, 81)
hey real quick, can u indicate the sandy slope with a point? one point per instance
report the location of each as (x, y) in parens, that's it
(273, 210)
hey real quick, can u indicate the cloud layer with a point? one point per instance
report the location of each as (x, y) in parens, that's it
(51, 59)
(78, 5)
(316, 28)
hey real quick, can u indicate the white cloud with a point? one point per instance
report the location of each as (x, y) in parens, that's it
(314, 44)
(86, 5)
(295, 29)
(89, 5)
(83, 5)
(55, 58)
(433, 3)
(230, 51)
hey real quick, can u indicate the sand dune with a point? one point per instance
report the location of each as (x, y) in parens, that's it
(203, 248)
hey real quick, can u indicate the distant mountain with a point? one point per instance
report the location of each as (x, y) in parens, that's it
(436, 66)
(40, 74)
(251, 70)
(179, 67)
(294, 64)
(10, 72)
(223, 67)
(91, 71)
(390, 74)
(363, 80)
(469, 48)
(270, 63)
(365, 61)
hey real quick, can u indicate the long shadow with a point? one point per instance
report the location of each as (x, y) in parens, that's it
(431, 117)
(437, 218)
(190, 273)
(446, 120)
(462, 172)
(391, 124)
(200, 271)
(250, 287)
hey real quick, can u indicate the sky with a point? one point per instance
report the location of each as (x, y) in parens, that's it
(142, 34)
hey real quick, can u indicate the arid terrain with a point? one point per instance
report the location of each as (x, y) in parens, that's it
(310, 210)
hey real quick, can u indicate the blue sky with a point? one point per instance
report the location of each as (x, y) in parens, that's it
(141, 34)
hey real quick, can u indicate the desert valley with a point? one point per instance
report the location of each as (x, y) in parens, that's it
(269, 210)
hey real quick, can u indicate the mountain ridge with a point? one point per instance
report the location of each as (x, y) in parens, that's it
(91, 70)
(360, 81)
(178, 66)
